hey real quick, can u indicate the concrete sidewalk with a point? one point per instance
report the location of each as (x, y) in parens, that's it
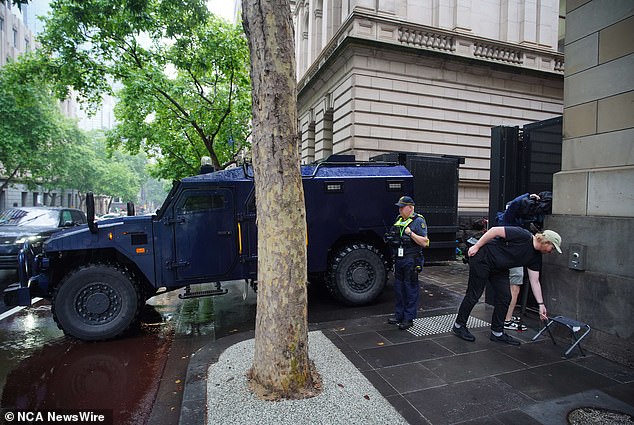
(432, 377)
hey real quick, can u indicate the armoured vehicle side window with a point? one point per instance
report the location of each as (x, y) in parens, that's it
(78, 217)
(201, 203)
(66, 217)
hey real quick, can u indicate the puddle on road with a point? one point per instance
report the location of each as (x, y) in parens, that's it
(43, 370)
(21, 337)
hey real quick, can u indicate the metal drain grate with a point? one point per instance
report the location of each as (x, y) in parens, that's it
(440, 324)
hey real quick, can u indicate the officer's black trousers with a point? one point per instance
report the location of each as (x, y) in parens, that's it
(406, 288)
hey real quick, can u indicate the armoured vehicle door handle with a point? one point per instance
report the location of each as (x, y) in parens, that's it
(176, 264)
(224, 232)
(178, 220)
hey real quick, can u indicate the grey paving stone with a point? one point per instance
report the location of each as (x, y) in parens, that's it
(397, 336)
(459, 346)
(410, 377)
(469, 400)
(409, 352)
(557, 380)
(434, 297)
(534, 353)
(514, 417)
(404, 407)
(607, 368)
(472, 365)
(623, 392)
(359, 325)
(365, 340)
(380, 383)
(555, 411)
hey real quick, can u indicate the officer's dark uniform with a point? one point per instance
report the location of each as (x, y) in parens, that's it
(408, 262)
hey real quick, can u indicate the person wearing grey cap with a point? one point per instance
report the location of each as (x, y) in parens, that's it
(490, 259)
(407, 237)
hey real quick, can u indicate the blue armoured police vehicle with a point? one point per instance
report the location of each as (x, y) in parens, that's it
(98, 276)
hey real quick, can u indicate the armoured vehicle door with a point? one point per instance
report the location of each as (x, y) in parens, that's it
(204, 235)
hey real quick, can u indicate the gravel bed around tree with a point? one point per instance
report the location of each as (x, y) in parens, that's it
(347, 397)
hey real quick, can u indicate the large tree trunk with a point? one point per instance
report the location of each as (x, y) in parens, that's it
(281, 367)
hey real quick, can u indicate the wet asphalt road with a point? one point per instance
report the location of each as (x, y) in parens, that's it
(137, 379)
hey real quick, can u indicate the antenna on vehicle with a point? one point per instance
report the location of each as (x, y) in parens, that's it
(90, 212)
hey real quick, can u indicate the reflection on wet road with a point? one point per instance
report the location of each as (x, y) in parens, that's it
(138, 378)
(43, 370)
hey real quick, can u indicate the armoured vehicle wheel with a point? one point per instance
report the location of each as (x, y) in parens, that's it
(356, 274)
(96, 302)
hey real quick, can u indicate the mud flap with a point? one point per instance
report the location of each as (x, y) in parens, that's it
(17, 295)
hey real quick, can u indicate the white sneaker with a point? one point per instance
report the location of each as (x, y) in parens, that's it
(512, 325)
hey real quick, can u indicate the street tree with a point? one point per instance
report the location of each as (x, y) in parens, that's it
(34, 135)
(181, 74)
(39, 146)
(93, 168)
(281, 366)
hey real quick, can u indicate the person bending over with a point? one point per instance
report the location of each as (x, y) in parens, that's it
(498, 250)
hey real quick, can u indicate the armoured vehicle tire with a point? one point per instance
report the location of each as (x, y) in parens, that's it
(357, 274)
(97, 302)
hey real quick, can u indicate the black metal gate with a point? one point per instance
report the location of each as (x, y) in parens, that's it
(523, 160)
(436, 194)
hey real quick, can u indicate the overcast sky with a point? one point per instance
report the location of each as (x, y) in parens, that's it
(223, 8)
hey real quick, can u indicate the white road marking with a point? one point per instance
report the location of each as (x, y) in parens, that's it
(16, 309)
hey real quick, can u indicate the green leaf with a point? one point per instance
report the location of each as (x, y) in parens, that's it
(182, 76)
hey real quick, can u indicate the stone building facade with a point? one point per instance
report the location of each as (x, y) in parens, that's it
(593, 195)
(425, 76)
(15, 36)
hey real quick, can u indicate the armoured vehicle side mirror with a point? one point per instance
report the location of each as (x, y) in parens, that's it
(90, 212)
(130, 207)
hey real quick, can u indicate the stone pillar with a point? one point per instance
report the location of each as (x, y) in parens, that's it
(528, 22)
(303, 47)
(363, 4)
(462, 13)
(316, 31)
(509, 21)
(307, 129)
(593, 205)
(323, 129)
(332, 18)
(547, 23)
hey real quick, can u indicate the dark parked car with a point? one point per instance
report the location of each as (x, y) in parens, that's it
(35, 224)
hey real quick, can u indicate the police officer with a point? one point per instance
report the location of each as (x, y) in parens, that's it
(407, 237)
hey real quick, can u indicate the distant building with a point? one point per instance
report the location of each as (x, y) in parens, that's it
(15, 36)
(103, 119)
(31, 13)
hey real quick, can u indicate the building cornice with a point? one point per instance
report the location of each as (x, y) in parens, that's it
(362, 25)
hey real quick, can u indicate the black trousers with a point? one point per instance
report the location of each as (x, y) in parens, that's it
(481, 272)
